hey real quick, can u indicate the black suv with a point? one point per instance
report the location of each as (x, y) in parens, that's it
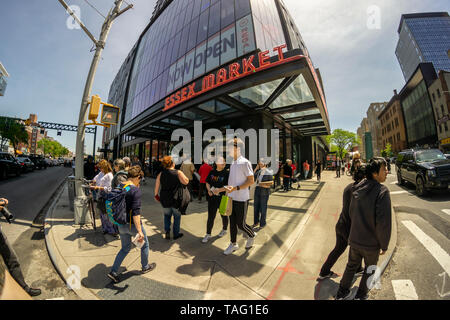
(38, 161)
(9, 165)
(427, 169)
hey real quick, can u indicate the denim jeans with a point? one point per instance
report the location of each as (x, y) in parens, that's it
(125, 237)
(286, 183)
(306, 174)
(260, 205)
(168, 213)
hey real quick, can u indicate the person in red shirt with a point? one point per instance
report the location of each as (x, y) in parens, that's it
(204, 171)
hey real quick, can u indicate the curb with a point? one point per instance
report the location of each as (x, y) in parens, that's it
(392, 243)
(56, 257)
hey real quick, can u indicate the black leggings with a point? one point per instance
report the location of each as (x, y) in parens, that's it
(237, 220)
(213, 205)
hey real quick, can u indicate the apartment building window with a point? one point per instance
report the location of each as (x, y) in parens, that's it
(398, 136)
(434, 97)
(440, 128)
(442, 109)
(438, 93)
(396, 122)
(446, 126)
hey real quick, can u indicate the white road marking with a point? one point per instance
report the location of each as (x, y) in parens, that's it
(60, 298)
(398, 192)
(435, 249)
(404, 290)
(447, 211)
(395, 182)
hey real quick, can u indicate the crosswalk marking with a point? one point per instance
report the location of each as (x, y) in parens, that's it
(447, 211)
(398, 192)
(60, 298)
(404, 290)
(435, 249)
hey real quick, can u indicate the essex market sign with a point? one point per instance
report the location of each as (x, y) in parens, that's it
(250, 65)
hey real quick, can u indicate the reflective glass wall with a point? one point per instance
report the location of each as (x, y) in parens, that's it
(188, 39)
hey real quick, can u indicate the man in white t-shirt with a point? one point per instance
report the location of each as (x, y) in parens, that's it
(240, 179)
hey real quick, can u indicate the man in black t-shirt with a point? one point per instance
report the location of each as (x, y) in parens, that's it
(134, 227)
(215, 183)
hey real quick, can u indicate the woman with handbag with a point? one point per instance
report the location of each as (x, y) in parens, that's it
(215, 185)
(167, 184)
(102, 183)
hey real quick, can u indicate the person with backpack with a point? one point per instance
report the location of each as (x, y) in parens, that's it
(126, 214)
(370, 230)
(215, 185)
(167, 185)
(102, 184)
(342, 229)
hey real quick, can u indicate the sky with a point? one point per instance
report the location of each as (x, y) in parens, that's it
(352, 42)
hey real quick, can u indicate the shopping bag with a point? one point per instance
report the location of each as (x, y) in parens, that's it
(226, 205)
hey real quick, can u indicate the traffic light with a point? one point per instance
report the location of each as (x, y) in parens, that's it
(95, 107)
(110, 115)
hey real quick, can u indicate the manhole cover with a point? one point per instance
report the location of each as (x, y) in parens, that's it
(136, 287)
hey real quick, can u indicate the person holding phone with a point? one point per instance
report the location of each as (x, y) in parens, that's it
(133, 207)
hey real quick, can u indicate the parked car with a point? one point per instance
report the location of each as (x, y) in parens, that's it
(447, 155)
(39, 161)
(55, 162)
(60, 161)
(427, 169)
(49, 162)
(26, 163)
(9, 165)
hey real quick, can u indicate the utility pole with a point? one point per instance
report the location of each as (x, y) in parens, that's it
(100, 45)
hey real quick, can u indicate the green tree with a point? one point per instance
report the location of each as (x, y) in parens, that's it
(13, 131)
(53, 148)
(387, 152)
(341, 140)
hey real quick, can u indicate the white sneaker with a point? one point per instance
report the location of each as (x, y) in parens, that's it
(206, 238)
(222, 233)
(231, 248)
(250, 242)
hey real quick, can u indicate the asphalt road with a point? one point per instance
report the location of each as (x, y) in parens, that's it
(29, 196)
(420, 268)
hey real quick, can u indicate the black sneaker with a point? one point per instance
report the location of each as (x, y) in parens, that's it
(178, 236)
(329, 275)
(33, 292)
(359, 273)
(361, 296)
(167, 235)
(114, 277)
(343, 294)
(149, 268)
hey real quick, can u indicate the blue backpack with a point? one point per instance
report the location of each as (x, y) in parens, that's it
(116, 206)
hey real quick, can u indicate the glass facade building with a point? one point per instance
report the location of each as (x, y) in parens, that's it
(423, 37)
(227, 63)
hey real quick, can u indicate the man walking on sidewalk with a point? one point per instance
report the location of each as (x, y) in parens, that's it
(306, 168)
(240, 179)
(370, 231)
(133, 207)
(338, 168)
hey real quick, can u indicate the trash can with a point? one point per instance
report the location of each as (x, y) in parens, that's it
(71, 190)
(82, 215)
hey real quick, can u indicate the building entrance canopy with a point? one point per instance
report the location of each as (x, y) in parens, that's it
(285, 85)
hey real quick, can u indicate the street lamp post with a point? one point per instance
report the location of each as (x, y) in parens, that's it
(100, 45)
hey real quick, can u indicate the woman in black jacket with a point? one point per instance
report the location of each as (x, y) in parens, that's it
(342, 228)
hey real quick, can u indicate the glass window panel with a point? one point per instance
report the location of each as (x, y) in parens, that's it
(205, 5)
(257, 95)
(214, 19)
(188, 16)
(298, 92)
(199, 61)
(192, 115)
(203, 26)
(171, 78)
(222, 108)
(176, 46)
(208, 106)
(227, 12)
(168, 53)
(228, 38)
(242, 8)
(300, 114)
(197, 7)
(179, 74)
(183, 42)
(213, 52)
(298, 123)
(189, 67)
(193, 34)
(158, 94)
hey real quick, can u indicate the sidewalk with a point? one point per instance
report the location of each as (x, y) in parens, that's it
(283, 263)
